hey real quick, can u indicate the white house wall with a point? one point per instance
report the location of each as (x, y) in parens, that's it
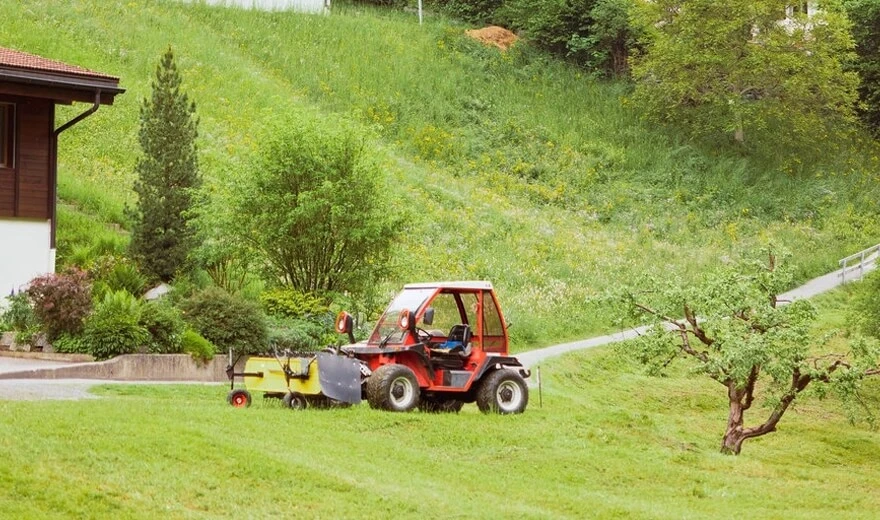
(305, 6)
(24, 252)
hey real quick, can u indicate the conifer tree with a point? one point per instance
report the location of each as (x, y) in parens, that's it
(167, 175)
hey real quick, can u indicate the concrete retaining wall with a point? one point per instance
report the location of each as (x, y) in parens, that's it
(135, 367)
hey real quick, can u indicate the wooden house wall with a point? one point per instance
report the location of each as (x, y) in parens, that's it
(25, 189)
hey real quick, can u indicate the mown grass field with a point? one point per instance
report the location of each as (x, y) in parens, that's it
(608, 442)
(516, 168)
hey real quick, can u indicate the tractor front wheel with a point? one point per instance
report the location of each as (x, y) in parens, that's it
(239, 398)
(503, 391)
(393, 388)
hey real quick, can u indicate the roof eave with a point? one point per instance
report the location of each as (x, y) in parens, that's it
(109, 86)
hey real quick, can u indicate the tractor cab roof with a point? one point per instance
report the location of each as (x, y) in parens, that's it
(469, 285)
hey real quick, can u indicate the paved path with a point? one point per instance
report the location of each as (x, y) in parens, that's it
(11, 364)
(808, 290)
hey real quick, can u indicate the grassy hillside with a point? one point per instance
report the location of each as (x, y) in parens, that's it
(520, 169)
(608, 442)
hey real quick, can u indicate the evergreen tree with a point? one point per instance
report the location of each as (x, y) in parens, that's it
(167, 175)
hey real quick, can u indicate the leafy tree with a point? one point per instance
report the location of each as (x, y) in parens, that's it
(313, 208)
(741, 67)
(865, 16)
(740, 334)
(167, 174)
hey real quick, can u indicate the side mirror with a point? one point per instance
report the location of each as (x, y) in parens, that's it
(406, 321)
(345, 325)
(428, 318)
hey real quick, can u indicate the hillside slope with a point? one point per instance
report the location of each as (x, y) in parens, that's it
(517, 168)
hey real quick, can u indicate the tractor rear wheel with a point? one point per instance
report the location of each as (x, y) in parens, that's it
(393, 388)
(295, 401)
(239, 398)
(440, 405)
(503, 391)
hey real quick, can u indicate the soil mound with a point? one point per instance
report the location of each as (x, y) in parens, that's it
(494, 35)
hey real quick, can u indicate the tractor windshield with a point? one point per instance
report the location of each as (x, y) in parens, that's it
(387, 331)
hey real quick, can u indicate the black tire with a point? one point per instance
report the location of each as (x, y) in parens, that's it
(393, 388)
(503, 391)
(295, 401)
(438, 405)
(239, 398)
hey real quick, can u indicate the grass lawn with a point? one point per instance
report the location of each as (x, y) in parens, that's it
(608, 442)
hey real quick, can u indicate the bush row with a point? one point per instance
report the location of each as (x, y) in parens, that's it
(99, 314)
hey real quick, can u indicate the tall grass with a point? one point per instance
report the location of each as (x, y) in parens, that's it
(521, 169)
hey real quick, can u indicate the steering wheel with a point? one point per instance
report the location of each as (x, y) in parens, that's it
(423, 334)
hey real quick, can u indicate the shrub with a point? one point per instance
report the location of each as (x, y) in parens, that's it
(302, 335)
(165, 324)
(290, 303)
(197, 346)
(314, 207)
(61, 301)
(67, 344)
(114, 328)
(19, 315)
(226, 321)
(117, 274)
(473, 11)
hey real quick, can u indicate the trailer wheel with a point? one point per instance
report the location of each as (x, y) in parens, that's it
(440, 405)
(502, 391)
(394, 388)
(239, 398)
(295, 401)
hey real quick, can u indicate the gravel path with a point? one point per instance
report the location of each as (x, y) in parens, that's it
(38, 389)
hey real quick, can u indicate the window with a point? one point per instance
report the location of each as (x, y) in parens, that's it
(491, 319)
(7, 134)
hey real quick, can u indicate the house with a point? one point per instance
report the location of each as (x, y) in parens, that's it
(30, 88)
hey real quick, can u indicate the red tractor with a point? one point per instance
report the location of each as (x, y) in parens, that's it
(436, 347)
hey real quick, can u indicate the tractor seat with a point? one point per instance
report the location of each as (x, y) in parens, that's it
(458, 341)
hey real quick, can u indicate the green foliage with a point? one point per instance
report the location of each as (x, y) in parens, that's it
(302, 335)
(227, 321)
(165, 324)
(864, 315)
(473, 11)
(116, 273)
(61, 301)
(312, 204)
(198, 347)
(71, 344)
(290, 303)
(596, 34)
(114, 327)
(19, 313)
(732, 326)
(167, 174)
(735, 68)
(865, 17)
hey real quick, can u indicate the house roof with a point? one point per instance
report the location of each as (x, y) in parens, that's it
(482, 285)
(67, 82)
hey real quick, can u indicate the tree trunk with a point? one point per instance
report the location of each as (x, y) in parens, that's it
(731, 444)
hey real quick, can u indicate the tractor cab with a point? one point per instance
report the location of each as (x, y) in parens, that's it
(441, 341)
(447, 316)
